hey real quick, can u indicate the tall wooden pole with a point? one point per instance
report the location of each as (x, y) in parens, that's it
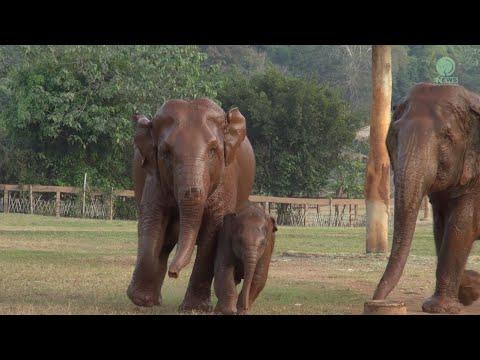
(377, 183)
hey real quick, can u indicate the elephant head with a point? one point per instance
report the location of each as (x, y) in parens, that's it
(193, 141)
(434, 145)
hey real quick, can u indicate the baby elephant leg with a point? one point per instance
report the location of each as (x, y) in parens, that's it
(469, 287)
(224, 285)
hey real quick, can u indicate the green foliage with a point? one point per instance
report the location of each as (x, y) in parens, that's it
(65, 110)
(347, 179)
(245, 58)
(297, 128)
(349, 67)
(346, 67)
(68, 108)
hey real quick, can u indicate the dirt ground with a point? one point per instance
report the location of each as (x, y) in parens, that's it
(361, 273)
(54, 265)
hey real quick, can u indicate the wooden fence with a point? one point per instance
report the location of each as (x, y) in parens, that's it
(119, 204)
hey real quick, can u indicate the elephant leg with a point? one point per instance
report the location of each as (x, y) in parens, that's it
(455, 248)
(469, 290)
(224, 281)
(198, 295)
(224, 284)
(143, 289)
(171, 238)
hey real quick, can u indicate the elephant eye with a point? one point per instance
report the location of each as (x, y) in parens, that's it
(166, 155)
(212, 153)
(447, 134)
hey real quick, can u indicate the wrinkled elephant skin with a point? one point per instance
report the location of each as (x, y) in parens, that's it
(192, 165)
(434, 147)
(245, 246)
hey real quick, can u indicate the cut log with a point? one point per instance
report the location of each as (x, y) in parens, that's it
(384, 307)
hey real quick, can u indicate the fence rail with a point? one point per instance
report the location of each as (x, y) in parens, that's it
(119, 204)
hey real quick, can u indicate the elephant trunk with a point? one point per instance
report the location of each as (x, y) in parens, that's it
(191, 182)
(409, 192)
(190, 222)
(250, 263)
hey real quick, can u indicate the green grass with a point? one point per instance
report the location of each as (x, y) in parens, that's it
(54, 265)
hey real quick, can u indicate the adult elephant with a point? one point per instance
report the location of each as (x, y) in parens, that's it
(193, 164)
(434, 147)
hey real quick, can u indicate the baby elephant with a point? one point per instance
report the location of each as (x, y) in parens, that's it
(245, 246)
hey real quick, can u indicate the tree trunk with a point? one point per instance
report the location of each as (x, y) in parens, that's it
(377, 184)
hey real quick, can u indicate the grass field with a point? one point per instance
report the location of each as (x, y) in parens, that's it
(54, 265)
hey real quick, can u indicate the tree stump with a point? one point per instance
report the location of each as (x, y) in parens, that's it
(384, 307)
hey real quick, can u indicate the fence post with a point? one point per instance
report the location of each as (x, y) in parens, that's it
(110, 210)
(350, 215)
(31, 198)
(305, 215)
(5, 201)
(84, 190)
(330, 212)
(57, 204)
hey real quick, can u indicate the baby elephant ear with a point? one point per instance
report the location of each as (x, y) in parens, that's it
(235, 132)
(142, 121)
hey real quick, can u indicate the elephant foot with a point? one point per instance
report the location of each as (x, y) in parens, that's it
(441, 305)
(225, 310)
(143, 298)
(469, 290)
(242, 312)
(196, 306)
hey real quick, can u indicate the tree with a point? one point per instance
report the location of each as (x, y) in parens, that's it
(68, 108)
(347, 179)
(297, 128)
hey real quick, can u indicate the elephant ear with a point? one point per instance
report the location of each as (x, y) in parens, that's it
(472, 155)
(474, 103)
(142, 121)
(143, 137)
(235, 132)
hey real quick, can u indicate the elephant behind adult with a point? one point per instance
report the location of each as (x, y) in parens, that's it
(192, 165)
(434, 147)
